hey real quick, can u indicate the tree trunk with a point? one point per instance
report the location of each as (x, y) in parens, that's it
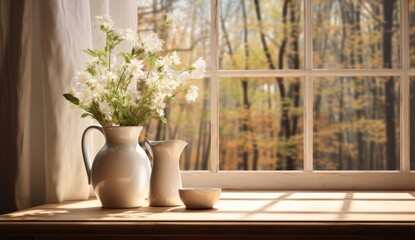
(244, 123)
(360, 112)
(295, 61)
(202, 121)
(245, 87)
(206, 149)
(285, 132)
(343, 59)
(270, 120)
(389, 86)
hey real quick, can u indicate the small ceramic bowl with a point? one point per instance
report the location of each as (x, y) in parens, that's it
(199, 197)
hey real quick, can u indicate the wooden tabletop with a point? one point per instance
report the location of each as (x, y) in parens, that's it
(365, 212)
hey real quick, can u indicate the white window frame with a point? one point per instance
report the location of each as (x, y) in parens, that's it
(308, 179)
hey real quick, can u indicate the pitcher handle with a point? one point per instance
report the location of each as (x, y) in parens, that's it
(147, 144)
(85, 153)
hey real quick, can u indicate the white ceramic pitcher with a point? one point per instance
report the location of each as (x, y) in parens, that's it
(120, 172)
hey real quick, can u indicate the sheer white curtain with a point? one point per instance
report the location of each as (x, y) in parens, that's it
(41, 46)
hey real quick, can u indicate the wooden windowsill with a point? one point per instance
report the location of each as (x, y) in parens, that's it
(293, 214)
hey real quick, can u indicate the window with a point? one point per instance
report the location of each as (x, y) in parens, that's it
(299, 94)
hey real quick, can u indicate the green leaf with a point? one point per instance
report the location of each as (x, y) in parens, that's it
(174, 100)
(139, 52)
(117, 41)
(126, 56)
(92, 71)
(162, 119)
(90, 52)
(86, 115)
(71, 98)
(152, 60)
(101, 53)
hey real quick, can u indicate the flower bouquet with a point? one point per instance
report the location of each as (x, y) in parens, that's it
(128, 88)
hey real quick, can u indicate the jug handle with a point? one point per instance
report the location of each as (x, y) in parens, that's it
(147, 143)
(85, 154)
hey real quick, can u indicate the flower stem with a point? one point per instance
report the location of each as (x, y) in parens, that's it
(121, 77)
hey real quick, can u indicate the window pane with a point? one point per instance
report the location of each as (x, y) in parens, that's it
(253, 133)
(190, 122)
(356, 123)
(192, 39)
(356, 34)
(412, 123)
(262, 36)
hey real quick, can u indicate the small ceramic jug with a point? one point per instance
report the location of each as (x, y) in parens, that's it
(120, 172)
(165, 177)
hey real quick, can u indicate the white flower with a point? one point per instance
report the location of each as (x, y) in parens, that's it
(105, 108)
(167, 64)
(84, 85)
(132, 92)
(151, 80)
(84, 77)
(174, 19)
(168, 85)
(92, 63)
(150, 42)
(192, 94)
(163, 63)
(108, 77)
(160, 112)
(104, 23)
(199, 68)
(131, 36)
(86, 97)
(135, 68)
(158, 103)
(183, 77)
(175, 58)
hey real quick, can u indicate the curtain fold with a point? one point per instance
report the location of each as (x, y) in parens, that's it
(15, 56)
(41, 46)
(66, 30)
